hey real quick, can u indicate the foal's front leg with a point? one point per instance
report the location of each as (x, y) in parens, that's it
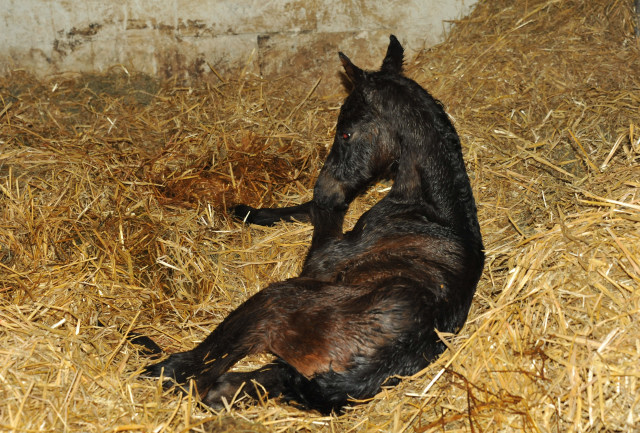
(327, 223)
(327, 226)
(270, 216)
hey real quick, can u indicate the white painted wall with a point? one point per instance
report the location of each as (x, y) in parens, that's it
(168, 37)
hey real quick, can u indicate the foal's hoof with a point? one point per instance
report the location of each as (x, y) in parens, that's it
(242, 212)
(251, 215)
(177, 368)
(145, 345)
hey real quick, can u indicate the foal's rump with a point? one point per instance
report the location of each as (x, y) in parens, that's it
(342, 342)
(392, 295)
(354, 337)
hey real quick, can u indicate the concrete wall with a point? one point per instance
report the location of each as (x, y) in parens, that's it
(190, 37)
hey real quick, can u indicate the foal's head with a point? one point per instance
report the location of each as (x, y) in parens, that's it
(372, 123)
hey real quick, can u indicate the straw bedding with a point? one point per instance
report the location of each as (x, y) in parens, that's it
(113, 190)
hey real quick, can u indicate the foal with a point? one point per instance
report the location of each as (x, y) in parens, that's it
(367, 303)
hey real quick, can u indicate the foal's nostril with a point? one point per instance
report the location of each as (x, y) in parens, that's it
(328, 193)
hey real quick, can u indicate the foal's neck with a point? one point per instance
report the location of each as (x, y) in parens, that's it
(432, 177)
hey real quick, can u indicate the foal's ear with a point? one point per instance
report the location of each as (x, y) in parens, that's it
(395, 56)
(354, 73)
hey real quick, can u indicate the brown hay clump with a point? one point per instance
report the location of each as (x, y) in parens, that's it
(113, 190)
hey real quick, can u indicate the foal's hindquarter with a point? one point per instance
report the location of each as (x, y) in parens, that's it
(367, 303)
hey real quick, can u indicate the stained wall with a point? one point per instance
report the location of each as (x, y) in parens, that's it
(191, 38)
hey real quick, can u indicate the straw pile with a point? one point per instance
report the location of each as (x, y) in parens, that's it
(113, 190)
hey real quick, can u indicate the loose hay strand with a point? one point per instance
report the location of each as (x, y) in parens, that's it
(113, 190)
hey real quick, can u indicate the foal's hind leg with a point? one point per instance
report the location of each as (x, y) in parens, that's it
(259, 325)
(269, 381)
(326, 393)
(240, 334)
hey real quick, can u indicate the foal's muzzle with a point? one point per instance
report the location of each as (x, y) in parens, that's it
(329, 193)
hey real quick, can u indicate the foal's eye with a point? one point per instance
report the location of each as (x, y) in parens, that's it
(345, 136)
